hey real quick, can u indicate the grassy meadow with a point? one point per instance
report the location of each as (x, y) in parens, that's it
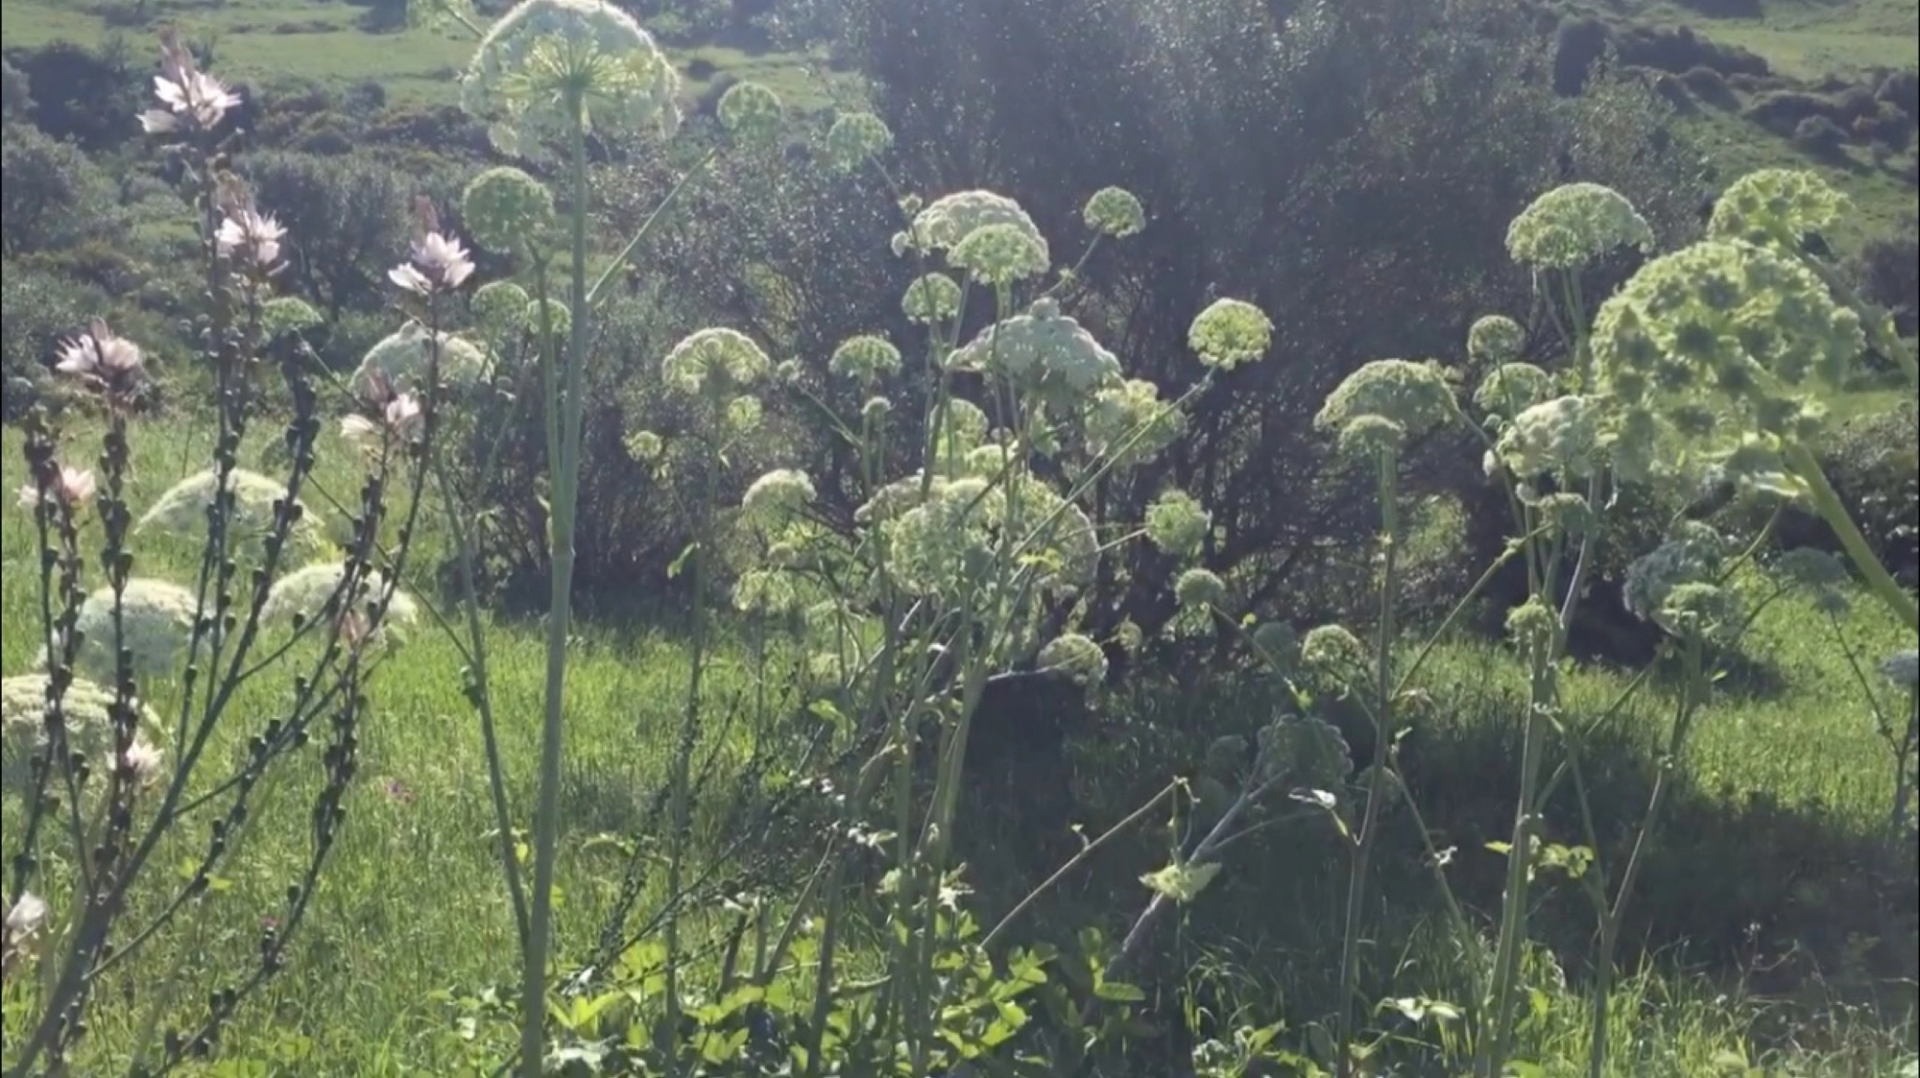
(1776, 832)
(412, 920)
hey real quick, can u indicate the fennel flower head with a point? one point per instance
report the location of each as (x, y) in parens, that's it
(403, 358)
(1726, 336)
(1574, 224)
(1695, 554)
(856, 138)
(498, 307)
(1114, 212)
(156, 617)
(1129, 424)
(544, 59)
(1410, 397)
(775, 498)
(1077, 656)
(1495, 339)
(181, 512)
(506, 208)
(1776, 206)
(931, 299)
(865, 359)
(1177, 524)
(715, 362)
(1042, 352)
(87, 709)
(947, 222)
(1558, 437)
(1512, 388)
(316, 590)
(942, 547)
(1201, 588)
(1230, 332)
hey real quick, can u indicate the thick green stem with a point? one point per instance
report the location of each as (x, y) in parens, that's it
(1376, 790)
(564, 470)
(1826, 502)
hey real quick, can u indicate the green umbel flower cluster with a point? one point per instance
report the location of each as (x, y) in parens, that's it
(1574, 224)
(1776, 206)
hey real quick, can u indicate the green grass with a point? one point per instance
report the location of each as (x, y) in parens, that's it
(412, 903)
(321, 41)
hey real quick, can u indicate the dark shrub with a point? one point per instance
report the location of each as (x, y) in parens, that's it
(1888, 272)
(1782, 111)
(41, 308)
(1678, 48)
(1711, 87)
(1874, 464)
(51, 193)
(1725, 9)
(82, 94)
(1820, 137)
(1315, 159)
(1901, 89)
(1577, 45)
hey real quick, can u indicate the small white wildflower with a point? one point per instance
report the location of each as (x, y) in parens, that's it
(1230, 332)
(437, 263)
(1076, 655)
(716, 362)
(142, 763)
(1115, 212)
(400, 420)
(24, 933)
(1574, 224)
(250, 236)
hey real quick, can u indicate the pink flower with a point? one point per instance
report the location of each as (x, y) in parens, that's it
(251, 236)
(400, 419)
(25, 927)
(439, 262)
(194, 100)
(142, 764)
(111, 364)
(73, 488)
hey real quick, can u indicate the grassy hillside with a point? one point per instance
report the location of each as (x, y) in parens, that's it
(328, 42)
